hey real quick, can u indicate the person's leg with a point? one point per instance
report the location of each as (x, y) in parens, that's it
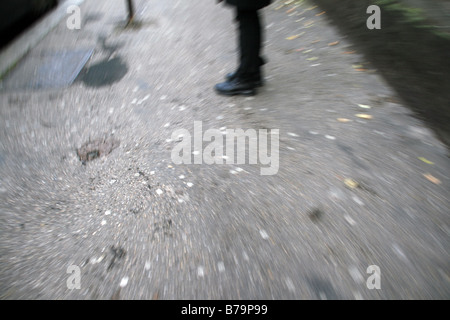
(248, 76)
(250, 38)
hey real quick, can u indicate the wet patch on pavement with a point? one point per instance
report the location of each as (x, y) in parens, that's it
(322, 288)
(118, 254)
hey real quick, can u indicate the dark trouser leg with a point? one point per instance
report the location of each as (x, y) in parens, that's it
(250, 42)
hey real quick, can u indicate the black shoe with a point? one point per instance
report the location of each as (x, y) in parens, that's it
(236, 87)
(256, 80)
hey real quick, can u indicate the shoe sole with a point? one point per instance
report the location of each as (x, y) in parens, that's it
(257, 84)
(247, 93)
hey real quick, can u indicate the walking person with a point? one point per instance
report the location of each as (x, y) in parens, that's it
(248, 76)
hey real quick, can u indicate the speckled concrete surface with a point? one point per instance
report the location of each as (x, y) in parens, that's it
(350, 192)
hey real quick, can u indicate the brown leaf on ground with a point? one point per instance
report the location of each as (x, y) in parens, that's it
(432, 178)
(364, 116)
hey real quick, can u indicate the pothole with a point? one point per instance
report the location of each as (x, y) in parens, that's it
(92, 150)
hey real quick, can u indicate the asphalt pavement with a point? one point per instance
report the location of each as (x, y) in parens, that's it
(93, 205)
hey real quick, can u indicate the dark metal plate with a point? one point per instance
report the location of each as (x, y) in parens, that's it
(49, 70)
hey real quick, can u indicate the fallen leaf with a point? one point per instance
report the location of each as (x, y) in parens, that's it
(312, 59)
(361, 69)
(333, 43)
(343, 120)
(315, 41)
(425, 160)
(291, 9)
(364, 106)
(432, 178)
(364, 116)
(352, 184)
(348, 52)
(357, 66)
(319, 14)
(295, 36)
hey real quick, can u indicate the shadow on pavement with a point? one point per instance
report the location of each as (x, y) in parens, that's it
(410, 54)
